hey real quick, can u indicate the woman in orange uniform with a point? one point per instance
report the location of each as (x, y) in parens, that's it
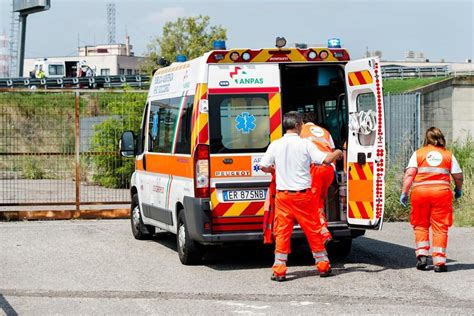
(429, 171)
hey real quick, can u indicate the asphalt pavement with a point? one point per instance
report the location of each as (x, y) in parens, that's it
(96, 267)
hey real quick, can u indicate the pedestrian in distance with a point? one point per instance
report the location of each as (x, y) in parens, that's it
(428, 172)
(290, 158)
(321, 175)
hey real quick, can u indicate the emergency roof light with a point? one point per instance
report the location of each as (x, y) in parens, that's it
(246, 56)
(219, 45)
(280, 42)
(234, 56)
(180, 58)
(312, 54)
(334, 43)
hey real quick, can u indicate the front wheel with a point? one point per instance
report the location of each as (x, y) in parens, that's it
(189, 251)
(139, 230)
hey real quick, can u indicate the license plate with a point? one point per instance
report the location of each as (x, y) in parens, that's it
(244, 195)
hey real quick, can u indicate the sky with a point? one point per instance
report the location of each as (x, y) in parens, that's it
(439, 29)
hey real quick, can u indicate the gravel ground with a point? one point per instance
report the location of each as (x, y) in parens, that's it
(96, 267)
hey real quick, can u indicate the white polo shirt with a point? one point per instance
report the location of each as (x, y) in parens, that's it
(292, 157)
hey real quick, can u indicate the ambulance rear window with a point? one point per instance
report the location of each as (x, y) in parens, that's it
(239, 123)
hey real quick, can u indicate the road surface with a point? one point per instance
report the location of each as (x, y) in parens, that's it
(96, 267)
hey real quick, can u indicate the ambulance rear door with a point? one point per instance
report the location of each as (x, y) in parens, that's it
(366, 145)
(244, 117)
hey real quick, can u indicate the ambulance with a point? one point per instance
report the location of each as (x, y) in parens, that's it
(208, 121)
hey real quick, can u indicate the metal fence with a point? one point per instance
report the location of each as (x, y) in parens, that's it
(60, 148)
(402, 125)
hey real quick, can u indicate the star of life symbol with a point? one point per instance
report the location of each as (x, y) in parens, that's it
(256, 168)
(245, 122)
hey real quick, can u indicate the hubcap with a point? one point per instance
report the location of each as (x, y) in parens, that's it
(136, 217)
(181, 238)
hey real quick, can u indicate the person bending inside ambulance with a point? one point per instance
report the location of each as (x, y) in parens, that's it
(429, 171)
(291, 157)
(321, 175)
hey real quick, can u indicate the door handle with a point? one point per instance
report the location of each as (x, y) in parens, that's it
(144, 162)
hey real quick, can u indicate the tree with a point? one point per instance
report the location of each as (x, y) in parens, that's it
(189, 36)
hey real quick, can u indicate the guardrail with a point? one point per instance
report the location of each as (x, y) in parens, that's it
(415, 72)
(74, 82)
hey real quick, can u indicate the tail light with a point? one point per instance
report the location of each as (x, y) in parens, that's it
(201, 171)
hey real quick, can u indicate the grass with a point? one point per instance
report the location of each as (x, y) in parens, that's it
(463, 208)
(404, 85)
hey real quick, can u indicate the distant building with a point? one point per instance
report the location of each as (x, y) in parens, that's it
(109, 59)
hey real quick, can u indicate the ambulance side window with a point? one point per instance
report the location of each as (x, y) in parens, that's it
(162, 124)
(367, 118)
(183, 139)
(141, 134)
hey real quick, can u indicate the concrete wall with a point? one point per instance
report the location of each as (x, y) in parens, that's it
(463, 109)
(449, 105)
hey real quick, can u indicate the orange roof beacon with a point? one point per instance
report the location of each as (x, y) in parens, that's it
(208, 121)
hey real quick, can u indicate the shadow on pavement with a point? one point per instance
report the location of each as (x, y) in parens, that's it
(6, 307)
(367, 255)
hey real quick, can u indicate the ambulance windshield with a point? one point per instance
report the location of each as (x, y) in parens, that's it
(239, 123)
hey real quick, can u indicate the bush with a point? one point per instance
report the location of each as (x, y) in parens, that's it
(32, 170)
(111, 170)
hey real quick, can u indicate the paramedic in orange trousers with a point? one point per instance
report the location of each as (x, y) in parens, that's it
(429, 171)
(321, 175)
(292, 156)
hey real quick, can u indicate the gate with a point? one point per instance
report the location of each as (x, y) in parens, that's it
(61, 148)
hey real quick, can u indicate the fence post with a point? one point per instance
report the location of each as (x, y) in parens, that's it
(418, 118)
(77, 154)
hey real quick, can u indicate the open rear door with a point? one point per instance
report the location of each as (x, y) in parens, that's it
(366, 144)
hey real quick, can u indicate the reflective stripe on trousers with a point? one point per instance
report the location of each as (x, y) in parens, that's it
(320, 256)
(280, 259)
(439, 255)
(439, 250)
(439, 260)
(422, 248)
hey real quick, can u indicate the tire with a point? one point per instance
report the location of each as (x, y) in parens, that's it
(139, 230)
(340, 249)
(189, 251)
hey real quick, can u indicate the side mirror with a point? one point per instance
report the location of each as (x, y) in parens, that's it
(127, 144)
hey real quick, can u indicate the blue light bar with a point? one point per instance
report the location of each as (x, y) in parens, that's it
(180, 58)
(219, 45)
(334, 43)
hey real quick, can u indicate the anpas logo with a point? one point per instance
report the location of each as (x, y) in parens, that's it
(434, 158)
(242, 77)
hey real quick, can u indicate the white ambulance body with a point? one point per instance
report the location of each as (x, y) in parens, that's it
(208, 121)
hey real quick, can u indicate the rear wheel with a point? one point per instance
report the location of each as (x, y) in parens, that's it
(189, 251)
(139, 230)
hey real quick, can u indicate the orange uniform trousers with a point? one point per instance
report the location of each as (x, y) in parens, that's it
(321, 178)
(288, 208)
(432, 206)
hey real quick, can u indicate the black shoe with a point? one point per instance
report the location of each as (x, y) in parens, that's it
(325, 274)
(441, 268)
(421, 262)
(278, 278)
